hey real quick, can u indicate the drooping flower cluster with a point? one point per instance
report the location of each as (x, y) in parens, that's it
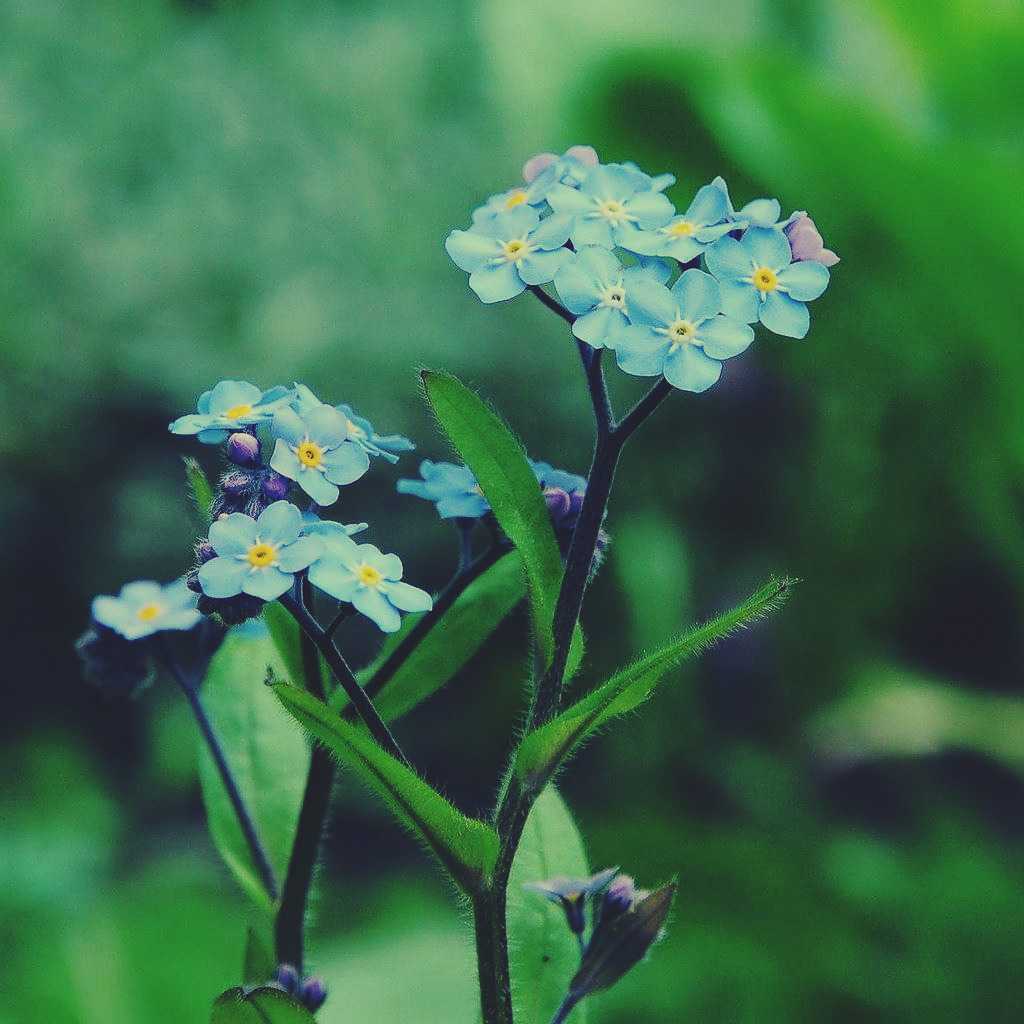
(672, 293)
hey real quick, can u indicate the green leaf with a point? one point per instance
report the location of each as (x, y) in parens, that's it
(544, 749)
(466, 847)
(259, 966)
(544, 954)
(200, 489)
(267, 755)
(498, 461)
(263, 1006)
(453, 640)
(287, 637)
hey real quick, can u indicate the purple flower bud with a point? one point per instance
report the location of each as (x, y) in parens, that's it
(235, 484)
(619, 897)
(288, 978)
(275, 487)
(243, 449)
(192, 582)
(558, 502)
(204, 551)
(806, 242)
(313, 994)
(575, 504)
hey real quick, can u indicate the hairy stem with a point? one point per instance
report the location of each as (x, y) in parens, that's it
(489, 913)
(245, 822)
(361, 703)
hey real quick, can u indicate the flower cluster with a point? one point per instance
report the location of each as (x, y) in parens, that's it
(672, 293)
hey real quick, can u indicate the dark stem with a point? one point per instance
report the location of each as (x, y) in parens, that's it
(568, 1005)
(642, 410)
(489, 912)
(553, 304)
(430, 619)
(603, 416)
(344, 612)
(361, 703)
(245, 822)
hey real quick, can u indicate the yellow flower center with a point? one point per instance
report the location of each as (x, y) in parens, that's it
(310, 454)
(515, 198)
(261, 555)
(148, 612)
(765, 280)
(682, 228)
(238, 411)
(682, 332)
(517, 249)
(369, 576)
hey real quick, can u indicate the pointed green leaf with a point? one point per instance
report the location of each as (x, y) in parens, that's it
(453, 640)
(200, 489)
(263, 1006)
(466, 847)
(259, 966)
(267, 756)
(287, 637)
(543, 951)
(544, 749)
(498, 461)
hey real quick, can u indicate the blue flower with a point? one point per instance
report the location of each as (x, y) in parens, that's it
(758, 213)
(595, 286)
(655, 182)
(360, 429)
(512, 250)
(610, 200)
(314, 450)
(258, 557)
(313, 525)
(144, 608)
(505, 202)
(760, 281)
(685, 237)
(548, 476)
(680, 333)
(454, 489)
(547, 169)
(365, 577)
(231, 404)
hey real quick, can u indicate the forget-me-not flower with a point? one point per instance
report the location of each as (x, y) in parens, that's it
(609, 200)
(656, 182)
(229, 405)
(144, 608)
(571, 165)
(258, 557)
(758, 213)
(595, 286)
(365, 577)
(760, 281)
(510, 199)
(315, 450)
(685, 236)
(548, 476)
(680, 333)
(453, 489)
(512, 250)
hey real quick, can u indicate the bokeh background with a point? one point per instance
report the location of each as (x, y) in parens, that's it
(191, 191)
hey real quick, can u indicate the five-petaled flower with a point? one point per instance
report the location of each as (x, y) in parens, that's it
(760, 281)
(680, 333)
(453, 489)
(686, 236)
(571, 894)
(758, 213)
(144, 608)
(609, 202)
(258, 557)
(316, 451)
(510, 251)
(365, 577)
(229, 405)
(595, 286)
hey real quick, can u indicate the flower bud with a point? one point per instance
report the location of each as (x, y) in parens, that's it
(619, 898)
(571, 895)
(806, 242)
(204, 551)
(243, 449)
(313, 994)
(288, 978)
(232, 611)
(559, 503)
(234, 485)
(192, 582)
(275, 487)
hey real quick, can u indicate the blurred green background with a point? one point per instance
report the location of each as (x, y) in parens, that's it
(190, 191)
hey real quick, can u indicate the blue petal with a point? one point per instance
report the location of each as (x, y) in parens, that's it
(739, 300)
(660, 182)
(722, 337)
(698, 295)
(643, 243)
(345, 464)
(760, 212)
(470, 250)
(229, 393)
(689, 369)
(653, 267)
(279, 523)
(641, 352)
(496, 283)
(805, 280)
(285, 461)
(728, 258)
(541, 267)
(408, 597)
(374, 605)
(552, 232)
(233, 534)
(577, 281)
(785, 316)
(389, 566)
(190, 424)
(301, 554)
(269, 583)
(515, 223)
(213, 435)
(203, 405)
(326, 426)
(462, 506)
(593, 231)
(681, 247)
(768, 247)
(709, 206)
(314, 483)
(599, 327)
(222, 577)
(649, 303)
(417, 488)
(605, 182)
(568, 200)
(290, 425)
(333, 578)
(651, 209)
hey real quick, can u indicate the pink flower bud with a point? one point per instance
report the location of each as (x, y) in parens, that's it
(806, 242)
